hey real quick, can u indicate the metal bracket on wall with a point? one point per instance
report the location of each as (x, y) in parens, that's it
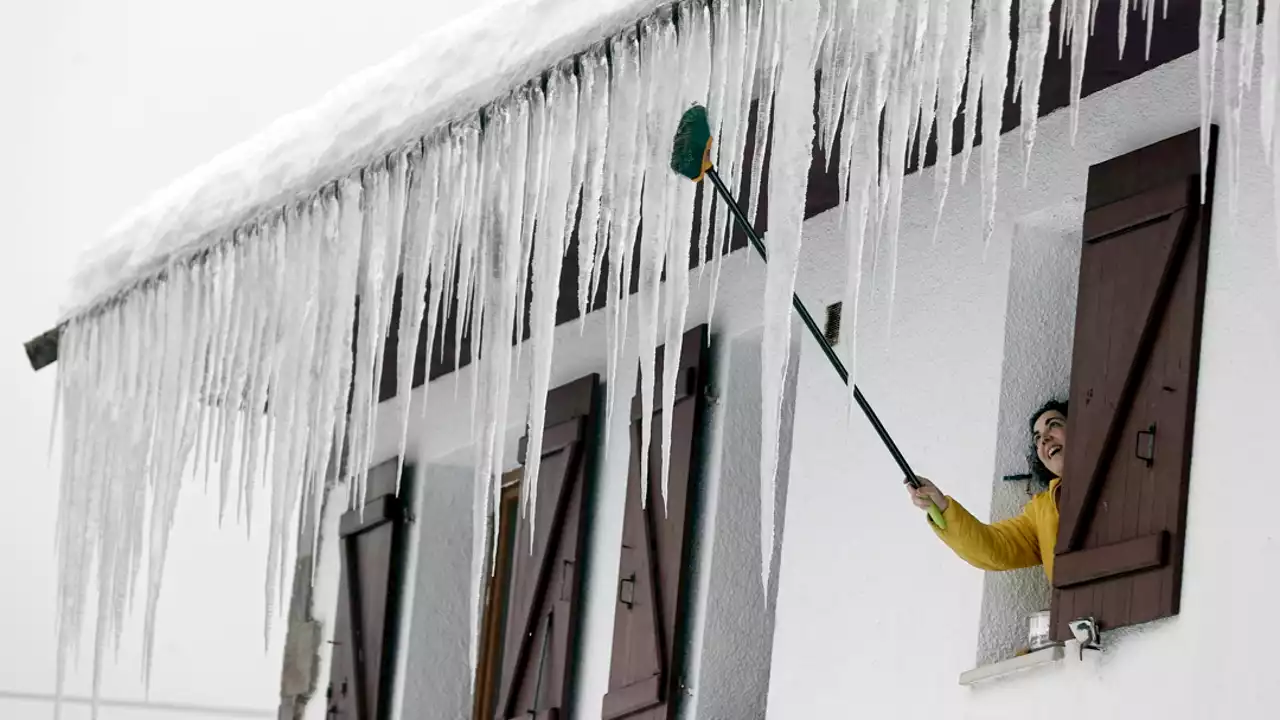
(1087, 635)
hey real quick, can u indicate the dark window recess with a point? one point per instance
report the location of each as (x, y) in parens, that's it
(645, 671)
(539, 642)
(368, 598)
(1123, 501)
(489, 667)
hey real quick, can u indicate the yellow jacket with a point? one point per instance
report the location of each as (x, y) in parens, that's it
(1021, 541)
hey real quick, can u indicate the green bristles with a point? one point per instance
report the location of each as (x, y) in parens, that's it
(691, 150)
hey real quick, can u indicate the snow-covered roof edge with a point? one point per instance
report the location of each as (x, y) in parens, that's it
(446, 75)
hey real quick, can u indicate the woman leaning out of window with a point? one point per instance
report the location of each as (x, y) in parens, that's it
(1022, 541)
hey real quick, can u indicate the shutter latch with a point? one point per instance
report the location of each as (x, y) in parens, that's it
(627, 591)
(1146, 445)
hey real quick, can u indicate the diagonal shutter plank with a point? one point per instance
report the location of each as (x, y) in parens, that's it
(1130, 294)
(539, 637)
(533, 576)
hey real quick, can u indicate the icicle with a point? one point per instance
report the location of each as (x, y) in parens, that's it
(240, 336)
(628, 159)
(1084, 12)
(260, 295)
(697, 48)
(913, 81)
(467, 175)
(898, 114)
(694, 41)
(398, 169)
(977, 75)
(730, 148)
(293, 369)
(659, 67)
(861, 149)
(771, 29)
(931, 70)
(788, 180)
(534, 212)
(994, 82)
(372, 263)
(591, 237)
(1033, 45)
(502, 252)
(549, 248)
(955, 56)
(420, 214)
(1210, 15)
(1122, 27)
(208, 391)
(836, 64)
(1066, 18)
(472, 225)
(1270, 80)
(1238, 52)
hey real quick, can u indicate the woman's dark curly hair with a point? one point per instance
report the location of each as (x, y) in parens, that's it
(1039, 472)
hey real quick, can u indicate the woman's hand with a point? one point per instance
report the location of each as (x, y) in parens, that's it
(927, 494)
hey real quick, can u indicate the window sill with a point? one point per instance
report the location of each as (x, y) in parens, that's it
(1005, 668)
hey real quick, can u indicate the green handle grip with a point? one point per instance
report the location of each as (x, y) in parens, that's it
(936, 516)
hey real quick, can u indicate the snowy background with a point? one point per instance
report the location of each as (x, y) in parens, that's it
(105, 103)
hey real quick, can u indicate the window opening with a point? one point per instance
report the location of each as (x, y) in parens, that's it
(489, 667)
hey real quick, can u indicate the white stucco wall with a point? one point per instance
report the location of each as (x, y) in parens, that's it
(433, 676)
(875, 617)
(731, 636)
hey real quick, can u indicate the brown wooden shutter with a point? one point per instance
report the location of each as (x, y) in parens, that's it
(542, 618)
(1123, 499)
(369, 589)
(644, 672)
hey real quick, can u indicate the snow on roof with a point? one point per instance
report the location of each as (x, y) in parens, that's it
(446, 74)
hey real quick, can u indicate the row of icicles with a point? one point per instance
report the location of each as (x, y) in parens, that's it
(236, 365)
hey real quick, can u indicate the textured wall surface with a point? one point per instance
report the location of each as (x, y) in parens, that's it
(434, 677)
(731, 641)
(875, 617)
(1039, 325)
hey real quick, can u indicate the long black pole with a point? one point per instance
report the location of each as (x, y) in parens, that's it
(817, 335)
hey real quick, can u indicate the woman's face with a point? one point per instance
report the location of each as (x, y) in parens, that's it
(1050, 437)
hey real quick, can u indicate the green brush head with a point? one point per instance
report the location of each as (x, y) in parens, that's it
(691, 149)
